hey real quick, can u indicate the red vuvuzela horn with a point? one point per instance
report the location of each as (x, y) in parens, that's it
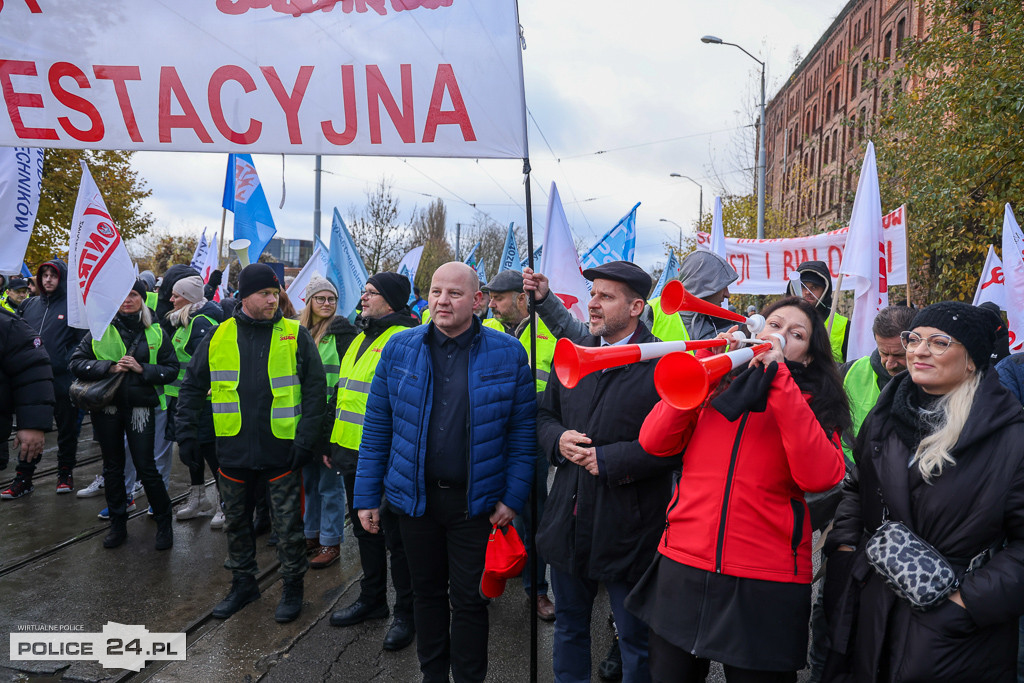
(675, 298)
(684, 382)
(573, 362)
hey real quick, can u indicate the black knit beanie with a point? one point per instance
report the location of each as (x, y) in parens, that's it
(971, 326)
(393, 287)
(254, 277)
(141, 287)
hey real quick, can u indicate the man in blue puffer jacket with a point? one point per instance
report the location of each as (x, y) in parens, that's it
(449, 437)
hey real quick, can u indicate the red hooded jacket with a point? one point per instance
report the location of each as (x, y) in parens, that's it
(739, 506)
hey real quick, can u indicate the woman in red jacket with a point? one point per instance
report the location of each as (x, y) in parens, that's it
(732, 578)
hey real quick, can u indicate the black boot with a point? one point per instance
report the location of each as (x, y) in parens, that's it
(118, 531)
(291, 601)
(164, 533)
(243, 591)
(611, 668)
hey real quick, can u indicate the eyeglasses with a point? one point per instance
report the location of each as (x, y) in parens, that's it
(937, 344)
(325, 299)
(369, 292)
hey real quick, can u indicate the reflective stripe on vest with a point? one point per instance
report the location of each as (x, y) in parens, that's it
(861, 386)
(545, 352)
(332, 363)
(180, 340)
(111, 347)
(837, 336)
(225, 366)
(667, 326)
(354, 388)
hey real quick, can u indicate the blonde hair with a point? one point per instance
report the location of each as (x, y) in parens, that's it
(147, 315)
(317, 330)
(179, 317)
(933, 454)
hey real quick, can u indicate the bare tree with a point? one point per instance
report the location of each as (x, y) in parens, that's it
(429, 228)
(376, 231)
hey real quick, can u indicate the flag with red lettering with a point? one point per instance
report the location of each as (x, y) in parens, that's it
(1013, 278)
(100, 271)
(990, 285)
(864, 259)
(561, 262)
(717, 229)
(209, 260)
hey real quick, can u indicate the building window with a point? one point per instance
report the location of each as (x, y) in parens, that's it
(839, 102)
(853, 81)
(901, 32)
(867, 21)
(828, 105)
(835, 145)
(887, 46)
(824, 151)
(864, 83)
(814, 118)
(863, 123)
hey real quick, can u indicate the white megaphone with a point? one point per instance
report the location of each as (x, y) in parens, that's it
(241, 249)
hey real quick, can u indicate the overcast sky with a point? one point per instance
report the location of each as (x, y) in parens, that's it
(631, 80)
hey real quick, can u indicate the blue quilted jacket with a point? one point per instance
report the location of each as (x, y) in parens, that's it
(502, 425)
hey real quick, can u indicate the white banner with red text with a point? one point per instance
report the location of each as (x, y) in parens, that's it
(764, 266)
(439, 78)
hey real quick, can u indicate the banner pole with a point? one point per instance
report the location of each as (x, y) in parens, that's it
(835, 304)
(220, 245)
(906, 242)
(532, 559)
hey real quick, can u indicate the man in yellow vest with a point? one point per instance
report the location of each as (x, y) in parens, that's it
(266, 382)
(385, 312)
(815, 286)
(16, 292)
(511, 307)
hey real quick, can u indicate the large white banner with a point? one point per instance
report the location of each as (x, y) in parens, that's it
(764, 265)
(371, 77)
(21, 178)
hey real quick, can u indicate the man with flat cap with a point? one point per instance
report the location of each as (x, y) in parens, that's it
(606, 509)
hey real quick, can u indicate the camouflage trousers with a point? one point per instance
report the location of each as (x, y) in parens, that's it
(284, 495)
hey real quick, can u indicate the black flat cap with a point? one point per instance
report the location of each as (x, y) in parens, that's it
(622, 271)
(505, 281)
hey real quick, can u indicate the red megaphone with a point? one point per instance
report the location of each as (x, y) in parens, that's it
(573, 362)
(684, 382)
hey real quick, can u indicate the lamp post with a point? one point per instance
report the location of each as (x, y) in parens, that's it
(665, 220)
(713, 40)
(700, 206)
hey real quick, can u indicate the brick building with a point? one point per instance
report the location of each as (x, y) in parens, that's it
(814, 142)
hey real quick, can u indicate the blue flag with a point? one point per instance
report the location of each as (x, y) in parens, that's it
(671, 272)
(471, 259)
(244, 197)
(404, 270)
(348, 273)
(510, 259)
(618, 244)
(525, 263)
(25, 272)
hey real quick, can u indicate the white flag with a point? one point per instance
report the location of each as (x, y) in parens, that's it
(1013, 278)
(561, 262)
(21, 177)
(210, 262)
(717, 229)
(411, 261)
(990, 284)
(100, 271)
(318, 264)
(199, 255)
(222, 291)
(864, 259)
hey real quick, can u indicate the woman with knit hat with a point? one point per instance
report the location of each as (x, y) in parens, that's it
(324, 519)
(133, 345)
(191, 319)
(941, 453)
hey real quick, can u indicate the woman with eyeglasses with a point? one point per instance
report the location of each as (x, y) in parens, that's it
(324, 519)
(943, 453)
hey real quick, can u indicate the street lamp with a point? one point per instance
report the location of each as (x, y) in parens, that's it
(700, 206)
(665, 220)
(714, 40)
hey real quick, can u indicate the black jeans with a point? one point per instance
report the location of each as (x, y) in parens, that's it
(111, 430)
(65, 415)
(373, 556)
(207, 453)
(671, 663)
(446, 559)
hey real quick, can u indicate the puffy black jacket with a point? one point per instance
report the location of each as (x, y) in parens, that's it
(47, 315)
(163, 296)
(255, 446)
(975, 503)
(137, 389)
(200, 328)
(604, 528)
(26, 379)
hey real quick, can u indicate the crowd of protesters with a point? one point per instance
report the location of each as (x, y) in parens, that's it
(419, 422)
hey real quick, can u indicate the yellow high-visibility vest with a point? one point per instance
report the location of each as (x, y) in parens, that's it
(545, 352)
(111, 347)
(354, 388)
(332, 363)
(282, 373)
(179, 340)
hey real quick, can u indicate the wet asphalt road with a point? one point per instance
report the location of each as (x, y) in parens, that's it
(54, 571)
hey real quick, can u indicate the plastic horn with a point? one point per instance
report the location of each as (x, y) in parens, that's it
(572, 362)
(684, 382)
(241, 249)
(675, 298)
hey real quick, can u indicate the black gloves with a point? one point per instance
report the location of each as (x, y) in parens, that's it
(188, 452)
(300, 458)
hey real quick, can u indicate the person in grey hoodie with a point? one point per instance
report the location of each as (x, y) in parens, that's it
(706, 275)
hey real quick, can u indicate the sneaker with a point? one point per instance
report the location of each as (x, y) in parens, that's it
(138, 489)
(19, 488)
(150, 511)
(105, 512)
(218, 519)
(93, 489)
(65, 482)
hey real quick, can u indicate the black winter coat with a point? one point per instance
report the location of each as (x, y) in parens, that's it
(200, 328)
(974, 504)
(605, 527)
(255, 446)
(26, 379)
(163, 295)
(47, 315)
(137, 390)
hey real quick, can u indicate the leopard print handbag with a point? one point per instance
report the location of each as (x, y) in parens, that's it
(914, 570)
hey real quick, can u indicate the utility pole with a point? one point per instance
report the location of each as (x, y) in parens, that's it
(458, 233)
(316, 202)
